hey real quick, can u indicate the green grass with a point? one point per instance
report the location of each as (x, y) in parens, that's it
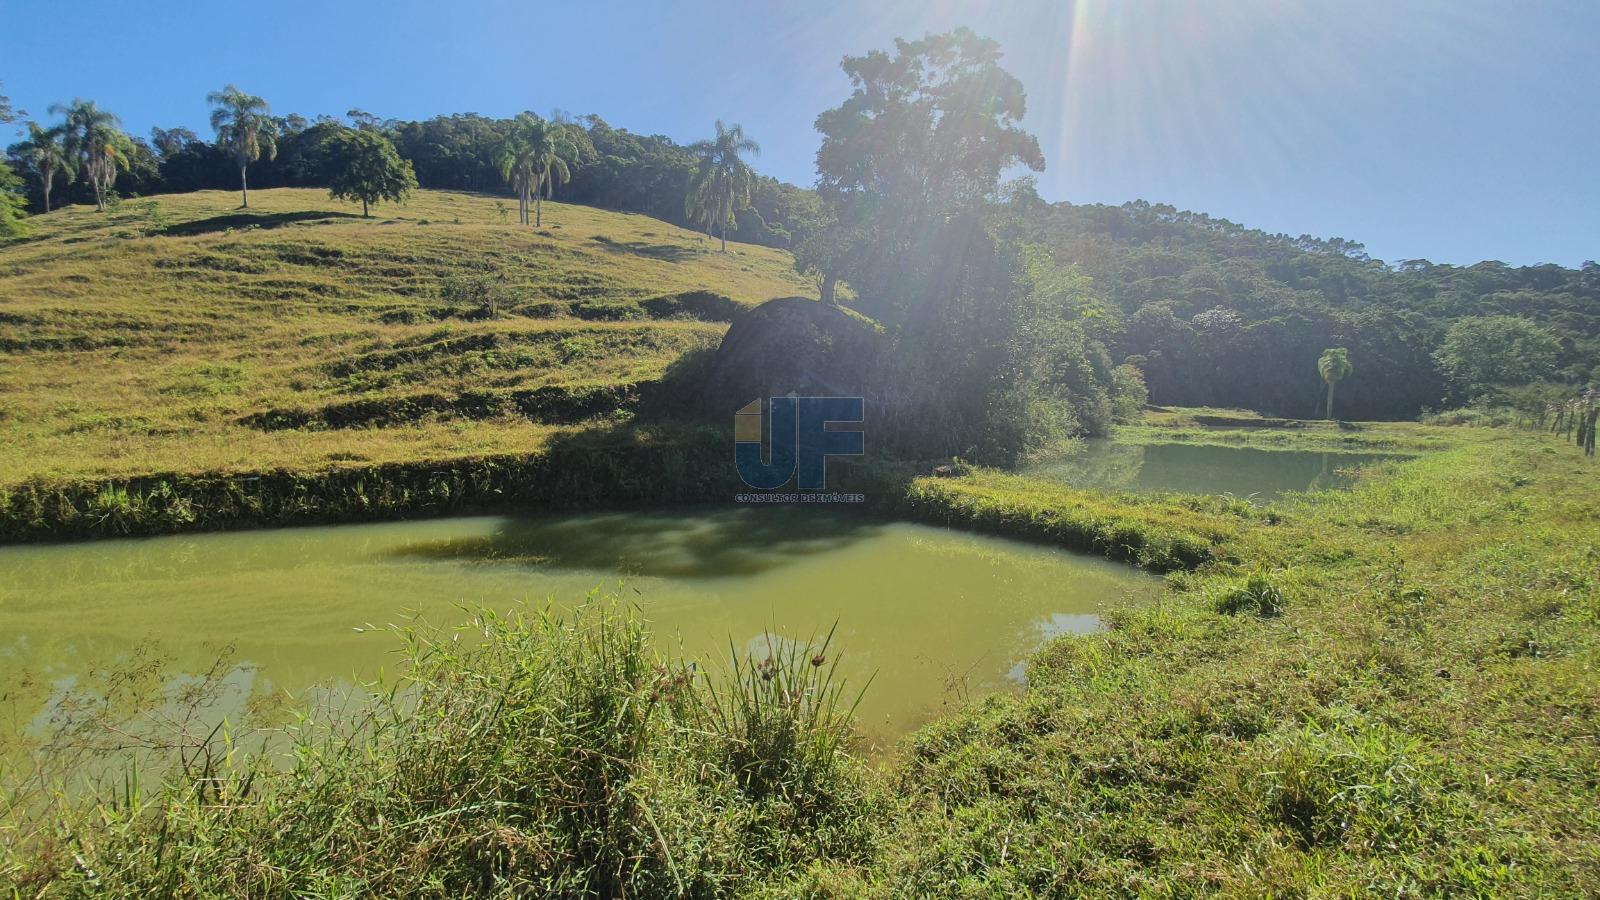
(553, 757)
(1389, 690)
(1163, 533)
(581, 469)
(129, 348)
(1243, 428)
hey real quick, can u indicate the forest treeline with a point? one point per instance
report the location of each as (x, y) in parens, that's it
(1216, 314)
(610, 167)
(1045, 312)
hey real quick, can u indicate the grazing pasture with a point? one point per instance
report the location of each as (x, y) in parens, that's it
(154, 338)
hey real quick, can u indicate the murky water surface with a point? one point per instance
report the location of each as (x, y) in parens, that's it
(927, 612)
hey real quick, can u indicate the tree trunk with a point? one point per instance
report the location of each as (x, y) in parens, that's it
(364, 213)
(244, 188)
(1330, 401)
(538, 211)
(724, 235)
(48, 178)
(829, 282)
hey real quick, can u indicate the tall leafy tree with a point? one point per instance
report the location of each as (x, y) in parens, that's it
(1334, 367)
(97, 145)
(1482, 355)
(984, 340)
(915, 150)
(12, 203)
(245, 127)
(171, 141)
(363, 165)
(532, 157)
(45, 153)
(11, 199)
(722, 180)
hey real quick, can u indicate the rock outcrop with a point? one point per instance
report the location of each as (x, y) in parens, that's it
(792, 345)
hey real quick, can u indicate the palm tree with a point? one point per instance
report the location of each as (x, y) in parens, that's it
(1334, 366)
(245, 126)
(45, 152)
(532, 158)
(722, 181)
(96, 145)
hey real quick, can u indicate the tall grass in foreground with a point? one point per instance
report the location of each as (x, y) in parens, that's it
(546, 754)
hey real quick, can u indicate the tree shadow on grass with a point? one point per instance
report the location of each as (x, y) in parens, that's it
(666, 252)
(245, 219)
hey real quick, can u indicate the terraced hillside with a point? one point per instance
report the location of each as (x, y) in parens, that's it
(180, 334)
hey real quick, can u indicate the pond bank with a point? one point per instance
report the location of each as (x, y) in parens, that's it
(1389, 689)
(610, 468)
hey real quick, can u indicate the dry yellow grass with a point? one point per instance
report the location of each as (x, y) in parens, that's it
(134, 341)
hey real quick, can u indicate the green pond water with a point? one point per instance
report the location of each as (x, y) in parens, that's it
(1264, 475)
(930, 614)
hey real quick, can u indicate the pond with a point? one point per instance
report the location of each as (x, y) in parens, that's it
(1265, 475)
(930, 614)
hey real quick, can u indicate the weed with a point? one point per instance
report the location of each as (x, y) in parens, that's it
(1259, 594)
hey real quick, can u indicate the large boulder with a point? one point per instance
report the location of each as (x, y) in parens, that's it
(792, 345)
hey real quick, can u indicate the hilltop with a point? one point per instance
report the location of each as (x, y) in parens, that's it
(179, 333)
(1215, 313)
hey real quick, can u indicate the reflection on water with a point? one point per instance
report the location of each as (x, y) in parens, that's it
(1241, 471)
(724, 544)
(918, 608)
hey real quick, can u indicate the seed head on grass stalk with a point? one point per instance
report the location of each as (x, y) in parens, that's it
(782, 719)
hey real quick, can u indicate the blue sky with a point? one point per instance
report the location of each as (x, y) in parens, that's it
(1452, 130)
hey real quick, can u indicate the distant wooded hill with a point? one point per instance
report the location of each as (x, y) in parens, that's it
(1217, 314)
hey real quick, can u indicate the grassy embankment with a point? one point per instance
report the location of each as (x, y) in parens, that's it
(181, 364)
(179, 334)
(1390, 690)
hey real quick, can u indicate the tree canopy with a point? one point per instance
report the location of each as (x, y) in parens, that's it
(45, 155)
(920, 142)
(532, 157)
(245, 128)
(1483, 354)
(722, 180)
(94, 138)
(1333, 366)
(363, 165)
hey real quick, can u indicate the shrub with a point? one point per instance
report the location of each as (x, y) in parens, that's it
(475, 295)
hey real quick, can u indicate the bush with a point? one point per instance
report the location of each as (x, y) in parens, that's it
(475, 296)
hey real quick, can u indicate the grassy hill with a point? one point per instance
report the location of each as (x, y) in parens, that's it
(179, 333)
